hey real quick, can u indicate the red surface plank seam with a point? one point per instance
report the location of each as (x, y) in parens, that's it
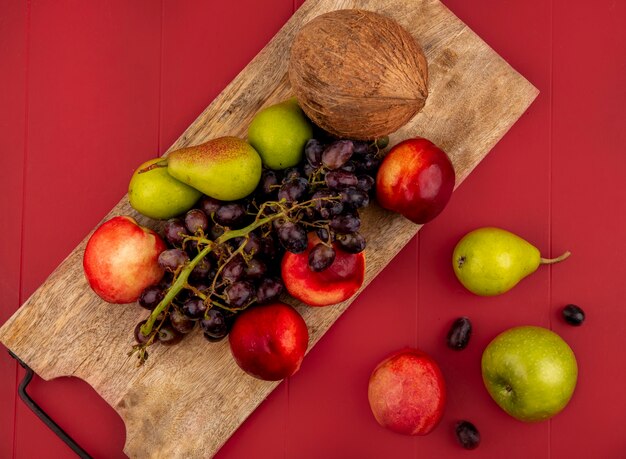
(25, 162)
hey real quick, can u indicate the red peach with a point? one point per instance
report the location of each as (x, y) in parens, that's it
(407, 393)
(333, 285)
(416, 179)
(120, 260)
(269, 341)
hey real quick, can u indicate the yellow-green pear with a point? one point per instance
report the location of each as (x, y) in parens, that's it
(491, 261)
(279, 133)
(226, 168)
(156, 194)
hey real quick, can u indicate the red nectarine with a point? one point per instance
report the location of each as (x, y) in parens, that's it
(333, 285)
(120, 260)
(407, 393)
(269, 341)
(416, 179)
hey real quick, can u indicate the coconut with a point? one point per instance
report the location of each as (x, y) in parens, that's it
(358, 74)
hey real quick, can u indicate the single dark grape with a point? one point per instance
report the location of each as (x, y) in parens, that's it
(290, 174)
(172, 259)
(354, 198)
(235, 242)
(211, 274)
(269, 182)
(337, 154)
(277, 223)
(183, 296)
(351, 243)
(194, 308)
(253, 244)
(467, 434)
(234, 269)
(308, 170)
(239, 293)
(336, 180)
(293, 190)
(268, 248)
(168, 335)
(335, 207)
(309, 214)
(140, 337)
(324, 235)
(180, 322)
(216, 231)
(573, 315)
(201, 270)
(348, 223)
(191, 247)
(151, 297)
(196, 220)
(269, 289)
(175, 230)
(209, 205)
(313, 152)
(255, 269)
(320, 198)
(369, 163)
(166, 280)
(360, 147)
(365, 182)
(214, 324)
(231, 214)
(293, 237)
(202, 287)
(321, 257)
(350, 166)
(327, 204)
(459, 334)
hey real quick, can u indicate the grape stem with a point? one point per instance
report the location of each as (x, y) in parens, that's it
(228, 260)
(183, 275)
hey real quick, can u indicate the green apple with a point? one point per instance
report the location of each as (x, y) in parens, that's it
(530, 372)
(279, 133)
(154, 193)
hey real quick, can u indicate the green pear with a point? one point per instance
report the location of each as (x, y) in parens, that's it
(279, 133)
(227, 168)
(491, 261)
(156, 194)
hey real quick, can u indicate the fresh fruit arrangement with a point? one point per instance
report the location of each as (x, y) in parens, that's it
(247, 222)
(299, 229)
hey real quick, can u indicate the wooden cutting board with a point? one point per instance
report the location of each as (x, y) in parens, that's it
(195, 390)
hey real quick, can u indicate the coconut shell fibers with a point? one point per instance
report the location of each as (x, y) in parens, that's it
(358, 74)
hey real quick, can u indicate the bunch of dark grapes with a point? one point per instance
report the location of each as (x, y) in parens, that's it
(338, 177)
(235, 248)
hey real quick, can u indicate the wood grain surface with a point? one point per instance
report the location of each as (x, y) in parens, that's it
(188, 399)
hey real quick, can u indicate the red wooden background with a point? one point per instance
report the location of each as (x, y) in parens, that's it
(88, 90)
